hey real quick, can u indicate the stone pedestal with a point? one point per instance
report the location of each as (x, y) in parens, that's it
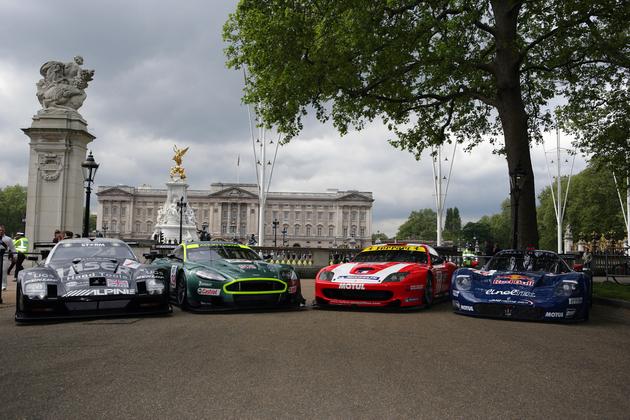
(168, 215)
(55, 197)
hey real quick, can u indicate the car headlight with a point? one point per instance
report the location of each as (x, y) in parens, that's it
(326, 275)
(567, 288)
(463, 282)
(209, 275)
(155, 286)
(395, 277)
(36, 289)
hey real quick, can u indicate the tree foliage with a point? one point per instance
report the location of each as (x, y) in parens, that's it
(434, 72)
(421, 225)
(13, 208)
(592, 206)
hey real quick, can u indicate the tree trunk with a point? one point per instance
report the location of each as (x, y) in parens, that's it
(513, 118)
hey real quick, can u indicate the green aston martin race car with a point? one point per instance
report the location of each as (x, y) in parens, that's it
(223, 275)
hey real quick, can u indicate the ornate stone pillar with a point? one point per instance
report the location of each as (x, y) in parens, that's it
(55, 193)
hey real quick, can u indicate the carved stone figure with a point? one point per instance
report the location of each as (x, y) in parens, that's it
(63, 85)
(177, 171)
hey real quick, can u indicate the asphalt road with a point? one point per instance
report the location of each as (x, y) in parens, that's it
(316, 363)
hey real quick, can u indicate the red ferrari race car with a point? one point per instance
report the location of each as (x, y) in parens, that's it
(388, 275)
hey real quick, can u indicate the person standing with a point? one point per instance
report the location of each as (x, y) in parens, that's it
(6, 248)
(20, 242)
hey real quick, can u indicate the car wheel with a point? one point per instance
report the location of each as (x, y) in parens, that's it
(182, 298)
(428, 292)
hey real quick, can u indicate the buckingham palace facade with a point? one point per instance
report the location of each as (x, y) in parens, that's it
(230, 210)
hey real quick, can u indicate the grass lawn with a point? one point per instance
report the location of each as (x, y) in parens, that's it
(611, 290)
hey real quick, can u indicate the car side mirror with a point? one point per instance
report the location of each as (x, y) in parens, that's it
(173, 257)
(474, 264)
(578, 267)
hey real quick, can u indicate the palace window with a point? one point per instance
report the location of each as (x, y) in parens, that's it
(296, 230)
(331, 230)
(319, 231)
(308, 230)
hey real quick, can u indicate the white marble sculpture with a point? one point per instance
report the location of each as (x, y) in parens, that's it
(63, 85)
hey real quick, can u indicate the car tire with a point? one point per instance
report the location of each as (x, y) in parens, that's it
(182, 292)
(428, 292)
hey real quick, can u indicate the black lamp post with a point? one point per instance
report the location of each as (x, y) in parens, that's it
(517, 180)
(89, 167)
(181, 205)
(275, 224)
(284, 236)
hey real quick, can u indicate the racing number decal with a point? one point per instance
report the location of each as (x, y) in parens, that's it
(173, 276)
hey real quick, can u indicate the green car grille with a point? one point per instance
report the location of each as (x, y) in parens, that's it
(256, 286)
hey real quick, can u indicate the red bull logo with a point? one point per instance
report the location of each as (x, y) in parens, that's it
(514, 279)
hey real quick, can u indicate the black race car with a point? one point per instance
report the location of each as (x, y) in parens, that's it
(87, 278)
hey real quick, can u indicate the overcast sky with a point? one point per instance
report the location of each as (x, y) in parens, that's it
(160, 79)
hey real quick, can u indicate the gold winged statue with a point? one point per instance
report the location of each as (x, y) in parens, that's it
(177, 171)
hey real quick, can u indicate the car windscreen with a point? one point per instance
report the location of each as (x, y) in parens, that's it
(545, 263)
(205, 253)
(70, 251)
(417, 257)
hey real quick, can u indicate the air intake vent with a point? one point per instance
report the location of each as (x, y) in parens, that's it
(51, 290)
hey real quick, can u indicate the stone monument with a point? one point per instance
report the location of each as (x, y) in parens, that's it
(58, 145)
(168, 217)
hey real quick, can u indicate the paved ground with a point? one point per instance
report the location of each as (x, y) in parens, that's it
(315, 363)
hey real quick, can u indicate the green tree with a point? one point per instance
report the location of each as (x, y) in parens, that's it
(452, 224)
(477, 232)
(434, 72)
(379, 236)
(592, 206)
(420, 225)
(13, 208)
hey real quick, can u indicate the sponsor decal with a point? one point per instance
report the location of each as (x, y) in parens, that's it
(40, 275)
(455, 293)
(513, 292)
(27, 281)
(554, 315)
(456, 304)
(512, 302)
(131, 264)
(108, 265)
(173, 276)
(412, 299)
(515, 279)
(507, 311)
(82, 283)
(117, 283)
(99, 292)
(466, 308)
(293, 289)
(354, 302)
(416, 287)
(204, 291)
(352, 286)
(92, 244)
(358, 277)
(395, 248)
(571, 312)
(575, 301)
(247, 266)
